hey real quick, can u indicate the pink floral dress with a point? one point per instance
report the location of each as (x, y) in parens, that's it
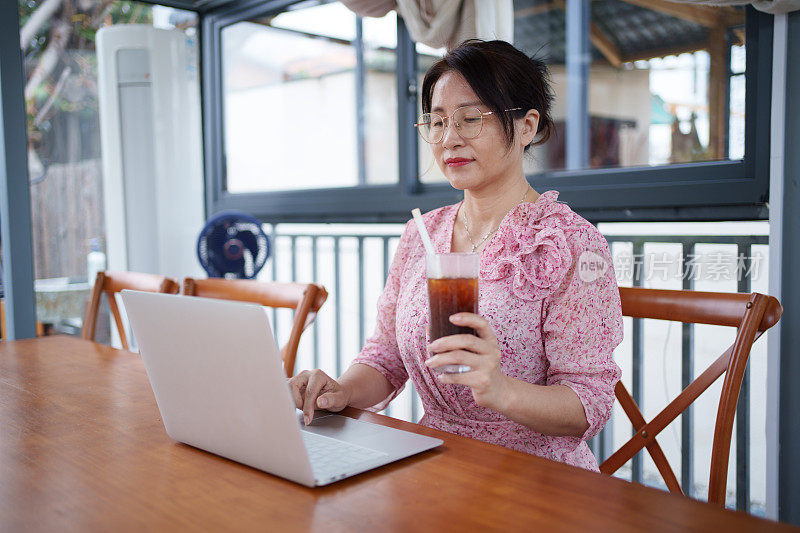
(555, 323)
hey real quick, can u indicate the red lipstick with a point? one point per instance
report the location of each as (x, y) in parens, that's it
(457, 161)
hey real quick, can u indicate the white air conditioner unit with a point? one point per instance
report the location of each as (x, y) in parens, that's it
(149, 100)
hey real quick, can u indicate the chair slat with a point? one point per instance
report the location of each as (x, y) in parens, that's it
(111, 283)
(720, 450)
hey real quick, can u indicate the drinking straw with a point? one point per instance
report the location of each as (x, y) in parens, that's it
(426, 239)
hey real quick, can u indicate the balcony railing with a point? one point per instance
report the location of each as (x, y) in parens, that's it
(353, 263)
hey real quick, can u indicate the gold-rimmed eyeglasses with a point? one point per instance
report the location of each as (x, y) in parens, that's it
(468, 121)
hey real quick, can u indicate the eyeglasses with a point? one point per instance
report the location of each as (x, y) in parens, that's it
(468, 121)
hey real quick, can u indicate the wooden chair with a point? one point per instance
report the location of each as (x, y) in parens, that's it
(111, 283)
(752, 314)
(305, 298)
(39, 325)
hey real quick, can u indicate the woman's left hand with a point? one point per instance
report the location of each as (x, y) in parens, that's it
(482, 353)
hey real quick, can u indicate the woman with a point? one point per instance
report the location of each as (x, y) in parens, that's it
(543, 377)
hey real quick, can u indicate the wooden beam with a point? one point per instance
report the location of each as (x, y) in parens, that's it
(607, 47)
(703, 15)
(732, 16)
(666, 51)
(539, 9)
(717, 87)
(738, 34)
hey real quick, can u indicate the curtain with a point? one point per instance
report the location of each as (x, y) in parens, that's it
(445, 23)
(370, 8)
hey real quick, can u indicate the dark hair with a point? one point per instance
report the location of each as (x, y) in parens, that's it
(503, 77)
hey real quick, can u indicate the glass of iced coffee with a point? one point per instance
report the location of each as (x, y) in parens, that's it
(452, 288)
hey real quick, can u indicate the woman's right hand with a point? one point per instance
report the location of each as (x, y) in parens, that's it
(312, 389)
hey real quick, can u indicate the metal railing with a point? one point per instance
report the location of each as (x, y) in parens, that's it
(408, 405)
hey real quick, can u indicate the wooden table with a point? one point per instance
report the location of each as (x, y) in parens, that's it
(82, 447)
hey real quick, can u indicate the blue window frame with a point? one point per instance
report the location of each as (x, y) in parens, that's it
(712, 190)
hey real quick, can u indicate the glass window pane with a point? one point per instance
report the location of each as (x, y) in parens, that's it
(538, 31)
(660, 85)
(736, 132)
(64, 106)
(291, 92)
(380, 99)
(429, 171)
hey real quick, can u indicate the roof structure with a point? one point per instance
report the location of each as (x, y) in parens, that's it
(624, 31)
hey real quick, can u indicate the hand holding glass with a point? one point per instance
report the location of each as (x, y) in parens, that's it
(452, 288)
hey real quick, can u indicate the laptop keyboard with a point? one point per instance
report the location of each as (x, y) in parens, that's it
(331, 458)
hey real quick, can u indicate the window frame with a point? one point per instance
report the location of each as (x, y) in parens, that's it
(712, 190)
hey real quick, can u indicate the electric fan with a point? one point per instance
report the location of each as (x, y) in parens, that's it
(232, 245)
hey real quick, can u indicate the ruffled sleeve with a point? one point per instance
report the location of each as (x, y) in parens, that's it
(381, 351)
(531, 247)
(582, 325)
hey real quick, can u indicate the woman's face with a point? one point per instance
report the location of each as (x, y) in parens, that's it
(471, 163)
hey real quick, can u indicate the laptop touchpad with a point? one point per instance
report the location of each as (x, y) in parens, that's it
(340, 427)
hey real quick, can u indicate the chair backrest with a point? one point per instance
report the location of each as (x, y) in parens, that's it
(305, 298)
(752, 314)
(111, 283)
(39, 325)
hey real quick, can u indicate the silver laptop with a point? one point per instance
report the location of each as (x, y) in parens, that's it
(219, 383)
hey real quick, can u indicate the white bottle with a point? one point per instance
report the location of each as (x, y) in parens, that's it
(95, 261)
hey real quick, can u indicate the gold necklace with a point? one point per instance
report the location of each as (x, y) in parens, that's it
(466, 225)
